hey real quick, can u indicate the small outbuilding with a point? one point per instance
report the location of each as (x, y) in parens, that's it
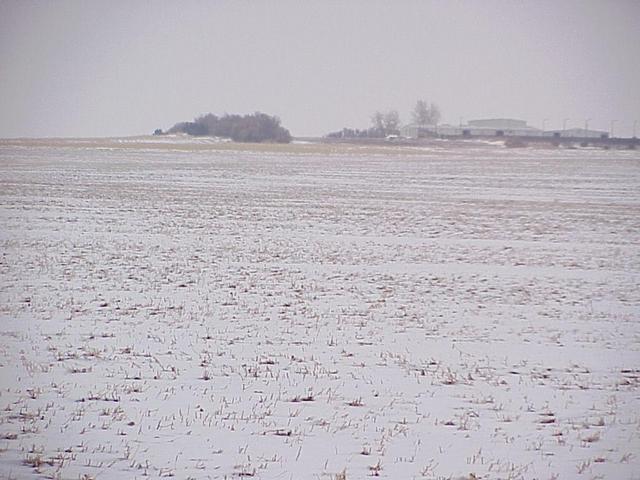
(415, 130)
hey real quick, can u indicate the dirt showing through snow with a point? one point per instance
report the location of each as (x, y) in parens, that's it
(305, 314)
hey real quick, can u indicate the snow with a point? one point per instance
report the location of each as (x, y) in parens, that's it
(228, 312)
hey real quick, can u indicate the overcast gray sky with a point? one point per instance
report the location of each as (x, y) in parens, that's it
(125, 68)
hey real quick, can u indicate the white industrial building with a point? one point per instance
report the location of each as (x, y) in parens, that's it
(498, 123)
(449, 130)
(494, 127)
(577, 133)
(501, 127)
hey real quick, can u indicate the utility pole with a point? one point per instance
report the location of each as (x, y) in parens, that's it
(611, 131)
(586, 125)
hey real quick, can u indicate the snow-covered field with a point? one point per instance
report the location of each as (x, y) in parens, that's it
(307, 314)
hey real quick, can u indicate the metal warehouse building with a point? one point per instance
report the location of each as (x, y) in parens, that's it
(491, 127)
(576, 133)
(500, 127)
(495, 127)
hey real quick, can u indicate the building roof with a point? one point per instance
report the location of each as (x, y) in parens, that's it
(499, 123)
(578, 132)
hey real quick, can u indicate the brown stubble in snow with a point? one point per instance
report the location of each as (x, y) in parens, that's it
(226, 310)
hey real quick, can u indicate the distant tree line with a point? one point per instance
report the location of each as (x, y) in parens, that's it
(257, 127)
(383, 124)
(388, 123)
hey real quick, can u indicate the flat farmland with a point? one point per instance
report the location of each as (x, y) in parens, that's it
(195, 310)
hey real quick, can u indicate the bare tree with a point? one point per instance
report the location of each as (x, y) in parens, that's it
(425, 113)
(385, 123)
(377, 120)
(391, 122)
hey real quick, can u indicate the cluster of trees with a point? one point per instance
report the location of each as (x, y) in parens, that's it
(383, 124)
(388, 123)
(425, 113)
(257, 127)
